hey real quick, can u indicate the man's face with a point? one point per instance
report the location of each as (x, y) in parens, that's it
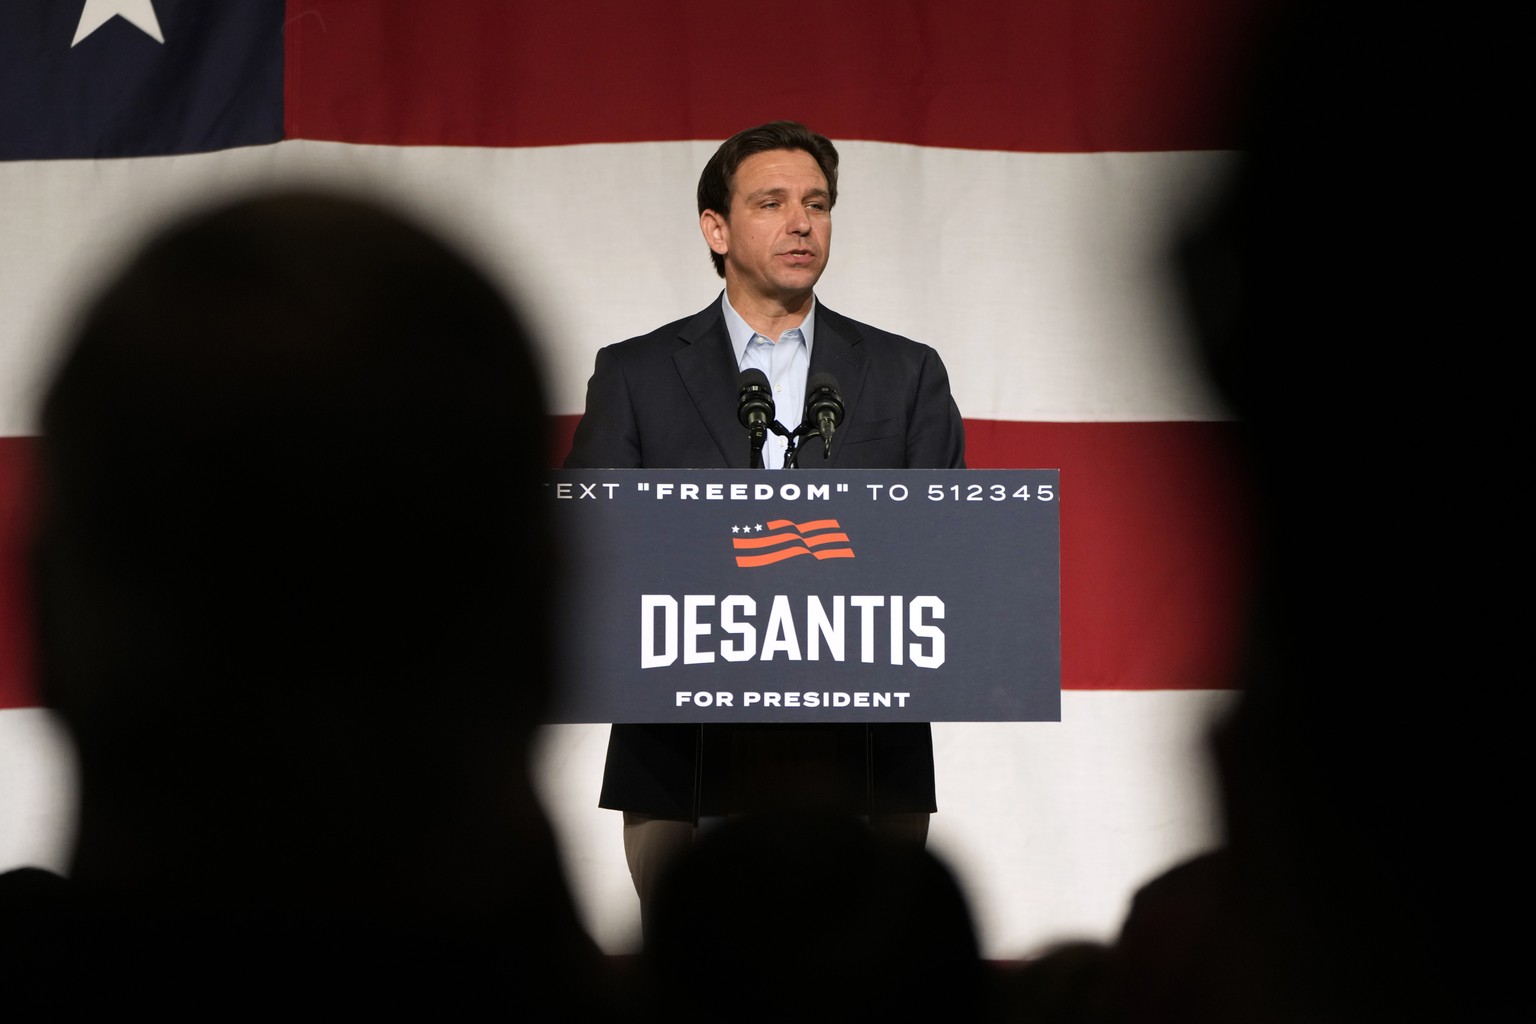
(779, 232)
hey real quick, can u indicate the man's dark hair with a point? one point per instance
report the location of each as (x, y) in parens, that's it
(719, 177)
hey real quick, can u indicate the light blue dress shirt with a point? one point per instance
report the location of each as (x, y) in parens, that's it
(785, 360)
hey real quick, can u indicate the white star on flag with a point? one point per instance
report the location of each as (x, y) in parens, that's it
(140, 13)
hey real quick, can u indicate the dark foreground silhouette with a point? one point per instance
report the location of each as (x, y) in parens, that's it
(291, 579)
(813, 918)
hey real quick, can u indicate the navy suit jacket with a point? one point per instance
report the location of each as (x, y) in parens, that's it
(668, 400)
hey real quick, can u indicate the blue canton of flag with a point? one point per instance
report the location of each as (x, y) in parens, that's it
(81, 79)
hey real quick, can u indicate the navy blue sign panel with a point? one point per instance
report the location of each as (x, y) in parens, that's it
(827, 596)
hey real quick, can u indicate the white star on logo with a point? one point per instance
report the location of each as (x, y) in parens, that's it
(140, 13)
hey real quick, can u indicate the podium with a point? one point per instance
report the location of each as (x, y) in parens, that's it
(743, 597)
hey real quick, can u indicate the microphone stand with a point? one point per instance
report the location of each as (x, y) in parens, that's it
(791, 453)
(804, 432)
(756, 435)
(759, 434)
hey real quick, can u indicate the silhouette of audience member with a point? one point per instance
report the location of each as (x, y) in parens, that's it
(1334, 310)
(29, 889)
(811, 918)
(292, 581)
(1182, 956)
(1065, 983)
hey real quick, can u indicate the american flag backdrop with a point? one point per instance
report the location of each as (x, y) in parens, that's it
(1013, 178)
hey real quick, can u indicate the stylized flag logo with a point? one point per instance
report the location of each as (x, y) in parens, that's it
(823, 538)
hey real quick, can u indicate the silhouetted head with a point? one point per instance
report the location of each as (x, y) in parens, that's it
(810, 917)
(288, 477)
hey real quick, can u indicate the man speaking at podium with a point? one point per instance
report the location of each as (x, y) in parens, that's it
(678, 398)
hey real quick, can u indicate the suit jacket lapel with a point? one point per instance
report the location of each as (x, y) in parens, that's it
(838, 351)
(707, 366)
(708, 370)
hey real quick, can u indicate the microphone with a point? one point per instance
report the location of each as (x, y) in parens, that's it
(824, 407)
(754, 408)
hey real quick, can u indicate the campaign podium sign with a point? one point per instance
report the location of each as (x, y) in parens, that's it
(739, 596)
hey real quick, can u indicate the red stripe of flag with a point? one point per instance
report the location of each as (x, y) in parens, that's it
(814, 524)
(754, 561)
(1154, 549)
(1031, 76)
(16, 690)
